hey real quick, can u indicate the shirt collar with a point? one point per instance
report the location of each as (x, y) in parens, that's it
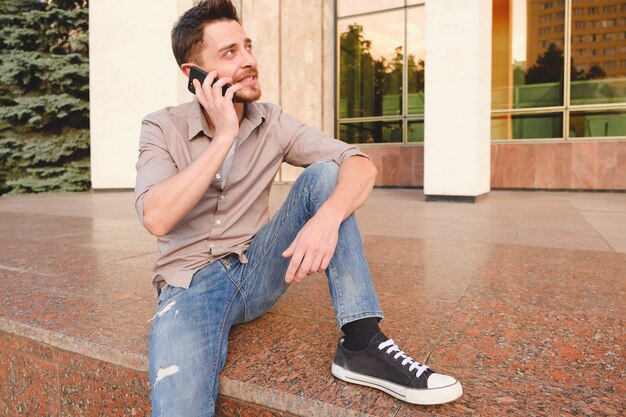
(197, 122)
(253, 117)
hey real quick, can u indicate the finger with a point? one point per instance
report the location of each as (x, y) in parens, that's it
(230, 92)
(208, 81)
(289, 251)
(305, 268)
(296, 259)
(217, 87)
(316, 266)
(325, 262)
(206, 85)
(205, 99)
(199, 92)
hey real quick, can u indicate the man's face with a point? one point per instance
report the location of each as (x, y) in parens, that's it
(227, 49)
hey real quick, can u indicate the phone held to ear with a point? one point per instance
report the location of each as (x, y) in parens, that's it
(199, 74)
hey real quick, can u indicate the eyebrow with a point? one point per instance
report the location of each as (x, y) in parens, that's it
(232, 45)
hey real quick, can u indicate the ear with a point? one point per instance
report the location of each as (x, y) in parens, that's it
(186, 68)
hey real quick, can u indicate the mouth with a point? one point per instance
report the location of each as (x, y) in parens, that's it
(249, 80)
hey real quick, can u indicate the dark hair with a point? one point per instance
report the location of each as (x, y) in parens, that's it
(187, 32)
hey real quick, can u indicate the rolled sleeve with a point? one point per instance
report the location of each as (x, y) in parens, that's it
(307, 145)
(154, 165)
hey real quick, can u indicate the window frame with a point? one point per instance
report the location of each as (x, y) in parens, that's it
(404, 118)
(566, 109)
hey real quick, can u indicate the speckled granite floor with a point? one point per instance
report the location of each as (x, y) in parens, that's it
(521, 296)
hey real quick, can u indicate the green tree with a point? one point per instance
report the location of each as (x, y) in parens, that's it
(365, 82)
(44, 96)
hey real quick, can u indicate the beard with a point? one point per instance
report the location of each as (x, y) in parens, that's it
(248, 94)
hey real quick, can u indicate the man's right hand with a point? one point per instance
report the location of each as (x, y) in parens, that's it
(169, 201)
(220, 109)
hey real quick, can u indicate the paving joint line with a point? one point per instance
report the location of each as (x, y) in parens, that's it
(445, 327)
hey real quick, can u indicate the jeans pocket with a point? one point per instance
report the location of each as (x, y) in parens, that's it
(163, 294)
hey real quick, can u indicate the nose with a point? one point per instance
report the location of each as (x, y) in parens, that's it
(248, 59)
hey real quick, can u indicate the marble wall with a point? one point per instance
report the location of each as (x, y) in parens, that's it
(41, 380)
(132, 72)
(293, 43)
(599, 165)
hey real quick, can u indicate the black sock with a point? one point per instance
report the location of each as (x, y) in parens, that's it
(360, 332)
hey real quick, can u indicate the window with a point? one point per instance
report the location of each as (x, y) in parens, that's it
(609, 23)
(380, 72)
(529, 71)
(602, 123)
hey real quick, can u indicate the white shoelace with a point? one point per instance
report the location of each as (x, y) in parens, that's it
(392, 347)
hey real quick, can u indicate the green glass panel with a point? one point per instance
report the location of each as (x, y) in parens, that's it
(415, 59)
(371, 132)
(370, 65)
(527, 126)
(597, 123)
(416, 131)
(598, 55)
(598, 91)
(528, 38)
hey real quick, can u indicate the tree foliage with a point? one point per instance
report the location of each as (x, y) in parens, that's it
(44, 96)
(373, 86)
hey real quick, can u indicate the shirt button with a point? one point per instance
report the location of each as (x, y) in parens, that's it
(221, 197)
(218, 222)
(218, 176)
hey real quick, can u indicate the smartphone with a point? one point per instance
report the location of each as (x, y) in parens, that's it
(199, 74)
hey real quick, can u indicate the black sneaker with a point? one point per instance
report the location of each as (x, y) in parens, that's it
(384, 366)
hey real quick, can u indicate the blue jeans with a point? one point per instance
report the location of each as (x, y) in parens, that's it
(189, 337)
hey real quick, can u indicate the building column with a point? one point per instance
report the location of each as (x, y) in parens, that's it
(457, 100)
(132, 72)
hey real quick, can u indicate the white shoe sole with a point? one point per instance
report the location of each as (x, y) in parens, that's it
(421, 396)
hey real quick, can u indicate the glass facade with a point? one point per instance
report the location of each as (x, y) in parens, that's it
(558, 62)
(380, 87)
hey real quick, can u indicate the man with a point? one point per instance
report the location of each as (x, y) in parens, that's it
(204, 174)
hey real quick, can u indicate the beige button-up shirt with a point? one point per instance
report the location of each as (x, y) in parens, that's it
(227, 217)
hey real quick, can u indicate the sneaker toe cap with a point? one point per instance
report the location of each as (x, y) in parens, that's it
(440, 380)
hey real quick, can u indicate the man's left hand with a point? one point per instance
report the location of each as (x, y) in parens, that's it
(314, 246)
